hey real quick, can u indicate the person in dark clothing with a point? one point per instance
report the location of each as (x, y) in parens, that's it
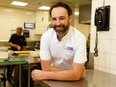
(17, 43)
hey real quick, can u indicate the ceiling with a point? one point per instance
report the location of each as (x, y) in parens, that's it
(34, 4)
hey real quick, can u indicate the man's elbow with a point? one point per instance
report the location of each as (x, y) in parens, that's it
(78, 76)
(9, 43)
(73, 78)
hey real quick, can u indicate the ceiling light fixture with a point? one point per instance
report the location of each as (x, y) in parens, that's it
(44, 8)
(76, 13)
(19, 3)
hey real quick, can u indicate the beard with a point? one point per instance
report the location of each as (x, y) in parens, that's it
(63, 27)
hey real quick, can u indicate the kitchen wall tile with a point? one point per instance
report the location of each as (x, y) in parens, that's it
(96, 3)
(104, 46)
(113, 16)
(96, 61)
(113, 29)
(104, 60)
(105, 34)
(113, 47)
(104, 69)
(113, 62)
(112, 2)
(113, 71)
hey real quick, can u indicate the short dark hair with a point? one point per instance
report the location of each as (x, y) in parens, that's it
(19, 28)
(61, 4)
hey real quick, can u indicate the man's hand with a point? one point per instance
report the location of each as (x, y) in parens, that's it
(38, 75)
(17, 47)
(24, 48)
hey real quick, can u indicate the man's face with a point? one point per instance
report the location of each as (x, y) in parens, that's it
(60, 20)
(18, 32)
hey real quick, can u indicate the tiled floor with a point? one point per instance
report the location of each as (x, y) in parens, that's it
(7, 83)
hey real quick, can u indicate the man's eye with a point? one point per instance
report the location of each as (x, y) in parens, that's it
(62, 18)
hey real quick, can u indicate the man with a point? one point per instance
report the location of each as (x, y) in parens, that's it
(17, 43)
(63, 48)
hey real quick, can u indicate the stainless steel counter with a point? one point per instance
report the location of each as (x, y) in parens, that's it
(93, 78)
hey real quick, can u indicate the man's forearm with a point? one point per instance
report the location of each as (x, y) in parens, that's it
(14, 45)
(64, 75)
(75, 73)
(11, 44)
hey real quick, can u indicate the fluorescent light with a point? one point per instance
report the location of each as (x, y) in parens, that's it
(19, 3)
(44, 8)
(76, 13)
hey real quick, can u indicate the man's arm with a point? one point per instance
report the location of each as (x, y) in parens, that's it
(17, 46)
(75, 73)
(14, 45)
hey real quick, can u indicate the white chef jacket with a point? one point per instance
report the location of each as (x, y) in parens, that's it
(72, 48)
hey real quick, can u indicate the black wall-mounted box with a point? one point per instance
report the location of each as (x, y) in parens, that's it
(102, 18)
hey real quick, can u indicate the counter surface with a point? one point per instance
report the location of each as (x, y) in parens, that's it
(93, 78)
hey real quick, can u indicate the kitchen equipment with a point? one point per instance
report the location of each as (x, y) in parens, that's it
(3, 53)
(34, 53)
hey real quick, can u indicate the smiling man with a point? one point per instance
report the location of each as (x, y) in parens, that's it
(63, 48)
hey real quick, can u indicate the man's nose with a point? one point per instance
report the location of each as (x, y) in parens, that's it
(58, 22)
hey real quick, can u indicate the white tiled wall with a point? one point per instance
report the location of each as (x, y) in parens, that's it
(113, 47)
(106, 60)
(104, 46)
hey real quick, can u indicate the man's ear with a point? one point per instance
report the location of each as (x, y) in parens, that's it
(70, 18)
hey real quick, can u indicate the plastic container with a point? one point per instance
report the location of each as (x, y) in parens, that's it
(34, 53)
